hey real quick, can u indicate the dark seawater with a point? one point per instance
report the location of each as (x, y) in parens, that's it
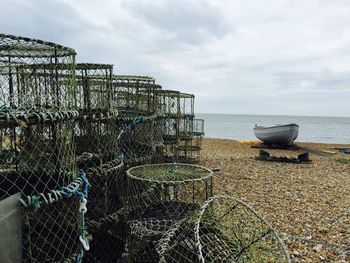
(312, 129)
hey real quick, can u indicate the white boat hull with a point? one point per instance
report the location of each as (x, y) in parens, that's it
(279, 134)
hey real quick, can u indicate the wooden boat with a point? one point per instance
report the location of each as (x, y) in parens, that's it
(278, 134)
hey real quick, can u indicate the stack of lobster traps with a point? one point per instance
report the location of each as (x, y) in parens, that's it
(191, 142)
(137, 104)
(97, 153)
(191, 131)
(169, 114)
(42, 195)
(69, 131)
(182, 133)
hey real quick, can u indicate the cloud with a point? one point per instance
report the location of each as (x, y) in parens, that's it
(325, 81)
(276, 56)
(49, 20)
(183, 21)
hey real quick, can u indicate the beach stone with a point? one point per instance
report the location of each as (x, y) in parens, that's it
(317, 248)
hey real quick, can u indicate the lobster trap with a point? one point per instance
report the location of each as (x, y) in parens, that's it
(29, 74)
(186, 105)
(169, 112)
(95, 132)
(97, 151)
(177, 113)
(191, 141)
(224, 229)
(94, 89)
(137, 139)
(136, 95)
(159, 195)
(36, 152)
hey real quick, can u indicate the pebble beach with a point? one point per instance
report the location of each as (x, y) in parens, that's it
(308, 204)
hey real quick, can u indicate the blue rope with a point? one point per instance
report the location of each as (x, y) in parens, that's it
(68, 191)
(80, 255)
(135, 121)
(86, 187)
(63, 192)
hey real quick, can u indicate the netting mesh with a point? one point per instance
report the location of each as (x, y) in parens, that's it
(177, 112)
(159, 195)
(104, 219)
(137, 104)
(37, 153)
(97, 151)
(224, 229)
(51, 233)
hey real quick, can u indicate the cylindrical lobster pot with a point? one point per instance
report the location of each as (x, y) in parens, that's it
(37, 157)
(224, 229)
(159, 195)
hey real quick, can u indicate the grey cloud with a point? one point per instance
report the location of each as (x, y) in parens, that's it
(236, 56)
(187, 21)
(306, 81)
(49, 20)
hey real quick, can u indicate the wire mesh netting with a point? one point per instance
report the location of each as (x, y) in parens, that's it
(224, 229)
(159, 195)
(190, 131)
(137, 104)
(51, 233)
(186, 127)
(198, 127)
(104, 216)
(37, 151)
(177, 112)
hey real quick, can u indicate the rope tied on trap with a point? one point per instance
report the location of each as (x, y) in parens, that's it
(134, 122)
(24, 118)
(35, 201)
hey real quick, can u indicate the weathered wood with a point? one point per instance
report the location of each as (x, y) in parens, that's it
(265, 156)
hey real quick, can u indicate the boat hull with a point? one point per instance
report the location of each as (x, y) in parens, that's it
(279, 134)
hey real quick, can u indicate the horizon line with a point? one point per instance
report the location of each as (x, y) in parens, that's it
(281, 115)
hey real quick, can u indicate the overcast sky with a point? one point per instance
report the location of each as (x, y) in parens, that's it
(240, 56)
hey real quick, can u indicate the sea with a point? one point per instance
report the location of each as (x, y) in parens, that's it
(311, 129)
